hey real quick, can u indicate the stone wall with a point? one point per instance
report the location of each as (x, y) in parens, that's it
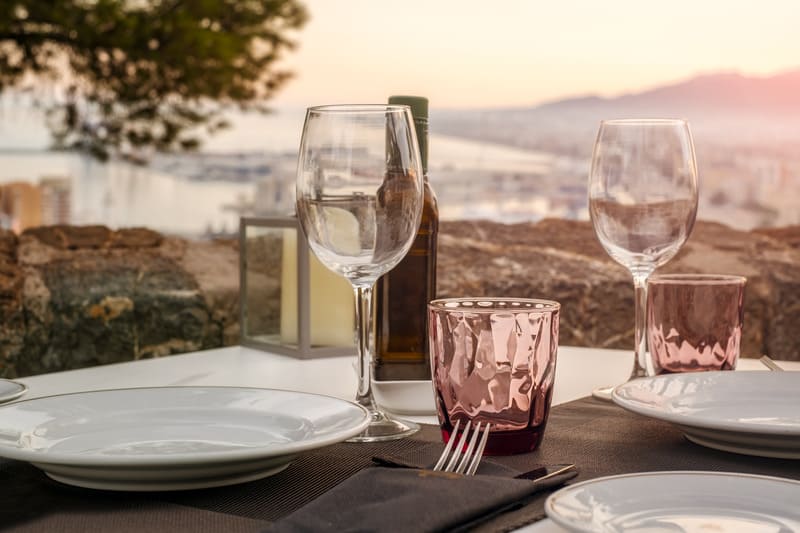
(562, 260)
(72, 297)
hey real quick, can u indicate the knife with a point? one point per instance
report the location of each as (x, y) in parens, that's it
(556, 473)
(544, 472)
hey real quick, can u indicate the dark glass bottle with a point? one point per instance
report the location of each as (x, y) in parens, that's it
(402, 294)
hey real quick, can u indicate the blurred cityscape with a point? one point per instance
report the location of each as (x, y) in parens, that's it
(507, 165)
(25, 205)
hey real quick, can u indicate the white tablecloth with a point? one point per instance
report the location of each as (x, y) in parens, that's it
(578, 372)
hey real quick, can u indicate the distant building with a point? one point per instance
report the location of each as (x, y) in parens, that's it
(56, 200)
(25, 205)
(20, 206)
(274, 194)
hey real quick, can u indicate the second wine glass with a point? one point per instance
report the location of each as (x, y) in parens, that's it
(359, 200)
(643, 204)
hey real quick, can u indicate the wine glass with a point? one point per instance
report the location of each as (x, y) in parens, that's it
(359, 201)
(643, 204)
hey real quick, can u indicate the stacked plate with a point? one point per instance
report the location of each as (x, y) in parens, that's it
(172, 438)
(753, 413)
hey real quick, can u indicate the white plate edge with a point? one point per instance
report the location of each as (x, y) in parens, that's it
(678, 419)
(551, 513)
(22, 389)
(162, 460)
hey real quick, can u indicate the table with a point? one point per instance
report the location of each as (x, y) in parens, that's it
(579, 371)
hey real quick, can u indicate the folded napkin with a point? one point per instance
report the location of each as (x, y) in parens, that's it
(382, 499)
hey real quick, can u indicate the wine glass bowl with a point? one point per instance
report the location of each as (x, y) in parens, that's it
(643, 202)
(359, 200)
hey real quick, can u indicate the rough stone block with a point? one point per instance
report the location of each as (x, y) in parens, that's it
(80, 296)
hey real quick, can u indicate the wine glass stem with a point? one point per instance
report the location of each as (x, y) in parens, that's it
(364, 337)
(640, 363)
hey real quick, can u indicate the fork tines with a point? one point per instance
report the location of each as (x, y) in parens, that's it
(465, 458)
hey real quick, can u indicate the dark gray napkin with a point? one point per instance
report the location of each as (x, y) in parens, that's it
(403, 499)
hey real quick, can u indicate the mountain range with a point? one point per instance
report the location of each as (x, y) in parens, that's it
(721, 92)
(725, 108)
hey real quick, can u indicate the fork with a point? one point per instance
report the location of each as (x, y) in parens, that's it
(464, 461)
(769, 363)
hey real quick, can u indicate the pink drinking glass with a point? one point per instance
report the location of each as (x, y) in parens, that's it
(493, 360)
(694, 322)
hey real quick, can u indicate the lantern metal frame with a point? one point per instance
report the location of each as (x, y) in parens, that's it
(304, 349)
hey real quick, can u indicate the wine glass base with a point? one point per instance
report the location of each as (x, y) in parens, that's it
(603, 393)
(383, 428)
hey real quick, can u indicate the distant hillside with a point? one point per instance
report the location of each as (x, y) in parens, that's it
(725, 108)
(723, 92)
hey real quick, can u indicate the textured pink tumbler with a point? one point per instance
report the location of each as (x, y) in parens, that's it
(493, 360)
(694, 322)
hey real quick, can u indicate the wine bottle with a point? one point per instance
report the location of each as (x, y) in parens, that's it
(402, 294)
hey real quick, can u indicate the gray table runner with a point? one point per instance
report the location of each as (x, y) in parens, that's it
(601, 438)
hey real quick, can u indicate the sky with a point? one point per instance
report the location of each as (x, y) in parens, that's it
(505, 53)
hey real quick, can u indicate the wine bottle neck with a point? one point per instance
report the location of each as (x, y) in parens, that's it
(419, 110)
(422, 138)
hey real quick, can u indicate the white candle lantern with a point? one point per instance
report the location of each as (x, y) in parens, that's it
(289, 302)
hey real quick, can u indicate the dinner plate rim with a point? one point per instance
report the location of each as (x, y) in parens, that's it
(571, 524)
(706, 422)
(21, 389)
(215, 457)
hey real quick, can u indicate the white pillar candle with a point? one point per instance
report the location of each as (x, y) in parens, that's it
(332, 315)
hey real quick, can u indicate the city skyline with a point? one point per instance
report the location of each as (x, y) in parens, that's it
(517, 53)
(485, 70)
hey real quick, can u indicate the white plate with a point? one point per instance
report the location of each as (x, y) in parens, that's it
(11, 390)
(753, 413)
(405, 397)
(172, 438)
(678, 501)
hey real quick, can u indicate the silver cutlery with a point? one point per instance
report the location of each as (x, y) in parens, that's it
(464, 460)
(769, 363)
(547, 472)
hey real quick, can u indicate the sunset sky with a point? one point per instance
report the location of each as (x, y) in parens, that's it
(498, 53)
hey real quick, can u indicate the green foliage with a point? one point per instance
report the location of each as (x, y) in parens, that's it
(145, 74)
